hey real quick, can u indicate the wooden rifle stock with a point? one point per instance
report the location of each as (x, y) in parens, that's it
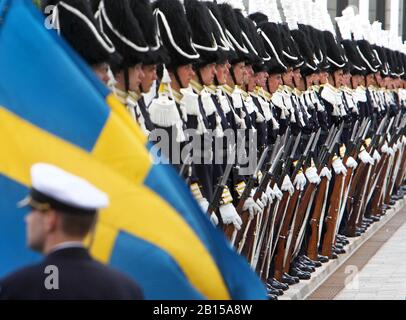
(283, 237)
(264, 250)
(332, 217)
(377, 196)
(313, 250)
(299, 217)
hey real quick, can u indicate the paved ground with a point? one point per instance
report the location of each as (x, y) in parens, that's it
(377, 271)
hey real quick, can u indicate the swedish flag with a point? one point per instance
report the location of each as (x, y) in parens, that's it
(53, 109)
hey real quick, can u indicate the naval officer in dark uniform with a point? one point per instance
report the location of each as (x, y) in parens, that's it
(63, 210)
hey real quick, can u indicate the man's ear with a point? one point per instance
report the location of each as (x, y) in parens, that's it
(52, 221)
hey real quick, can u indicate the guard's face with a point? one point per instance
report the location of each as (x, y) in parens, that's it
(297, 76)
(135, 75)
(149, 77)
(323, 77)
(186, 74)
(261, 78)
(239, 73)
(274, 81)
(222, 72)
(207, 74)
(36, 230)
(101, 70)
(288, 77)
(338, 77)
(249, 75)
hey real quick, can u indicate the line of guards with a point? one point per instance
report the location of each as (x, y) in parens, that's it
(321, 110)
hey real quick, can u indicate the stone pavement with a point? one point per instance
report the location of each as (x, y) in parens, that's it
(376, 270)
(384, 276)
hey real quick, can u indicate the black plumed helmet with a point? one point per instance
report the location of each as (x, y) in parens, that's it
(357, 67)
(219, 29)
(380, 55)
(290, 51)
(142, 10)
(175, 33)
(81, 31)
(258, 18)
(250, 39)
(368, 57)
(204, 41)
(305, 48)
(272, 40)
(333, 52)
(123, 29)
(234, 34)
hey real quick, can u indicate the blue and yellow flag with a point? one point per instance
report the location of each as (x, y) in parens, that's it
(53, 109)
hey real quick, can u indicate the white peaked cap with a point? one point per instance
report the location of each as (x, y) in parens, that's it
(67, 188)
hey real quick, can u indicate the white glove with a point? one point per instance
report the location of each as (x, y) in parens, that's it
(385, 148)
(404, 140)
(264, 199)
(271, 194)
(204, 204)
(366, 158)
(287, 185)
(278, 193)
(214, 220)
(300, 181)
(252, 207)
(312, 176)
(230, 216)
(391, 151)
(260, 201)
(326, 172)
(377, 156)
(338, 167)
(351, 163)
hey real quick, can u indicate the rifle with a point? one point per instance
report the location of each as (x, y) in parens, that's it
(230, 230)
(270, 209)
(283, 204)
(271, 172)
(280, 205)
(333, 211)
(350, 172)
(355, 197)
(218, 191)
(187, 162)
(321, 200)
(301, 216)
(280, 245)
(247, 223)
(390, 169)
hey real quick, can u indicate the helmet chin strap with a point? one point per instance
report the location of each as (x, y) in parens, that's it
(232, 74)
(178, 80)
(199, 76)
(126, 79)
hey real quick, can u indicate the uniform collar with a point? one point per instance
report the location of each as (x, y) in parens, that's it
(120, 94)
(135, 96)
(197, 87)
(177, 96)
(67, 245)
